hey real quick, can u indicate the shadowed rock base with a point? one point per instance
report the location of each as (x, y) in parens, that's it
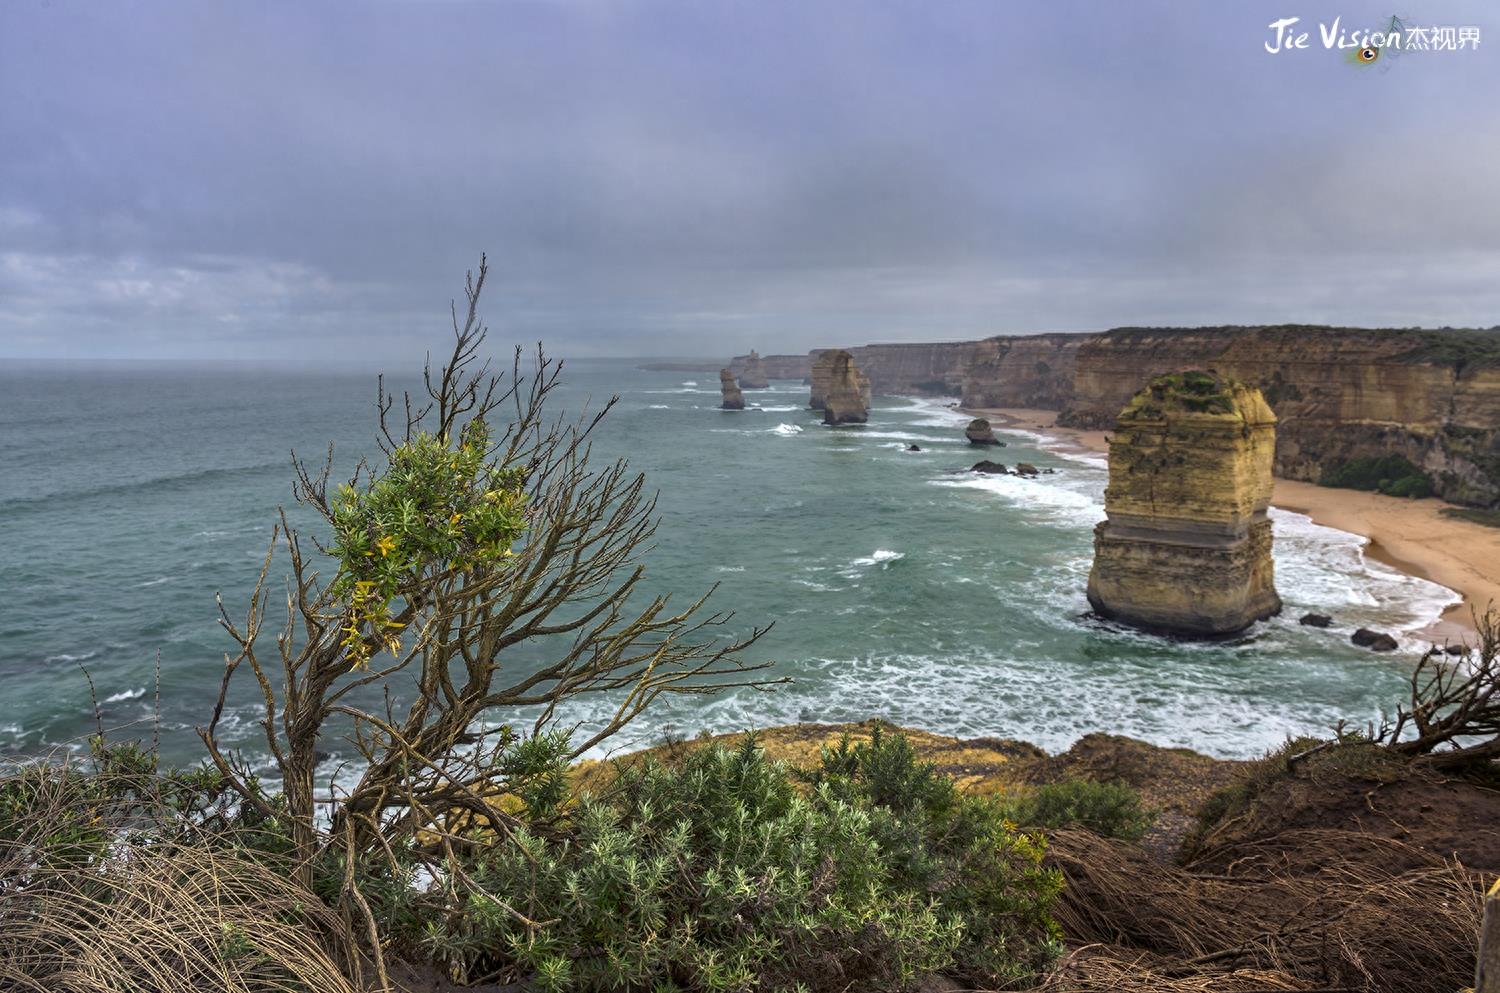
(1192, 588)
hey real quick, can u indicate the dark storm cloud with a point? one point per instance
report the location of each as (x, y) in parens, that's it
(259, 180)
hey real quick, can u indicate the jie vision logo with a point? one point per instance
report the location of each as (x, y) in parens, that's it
(1369, 45)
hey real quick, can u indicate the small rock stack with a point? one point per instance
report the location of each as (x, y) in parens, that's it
(733, 398)
(754, 376)
(822, 367)
(979, 432)
(1186, 548)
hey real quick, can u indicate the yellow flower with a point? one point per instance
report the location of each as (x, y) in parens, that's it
(386, 545)
(492, 495)
(455, 518)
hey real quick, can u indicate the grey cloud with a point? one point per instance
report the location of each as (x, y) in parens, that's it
(229, 180)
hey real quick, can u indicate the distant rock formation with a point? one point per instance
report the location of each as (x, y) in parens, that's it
(979, 432)
(992, 468)
(822, 367)
(1186, 547)
(847, 400)
(754, 376)
(733, 398)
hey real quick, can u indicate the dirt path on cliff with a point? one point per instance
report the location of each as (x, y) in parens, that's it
(1411, 535)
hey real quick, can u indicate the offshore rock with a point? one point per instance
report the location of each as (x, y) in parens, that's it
(733, 398)
(1316, 621)
(993, 468)
(754, 375)
(1186, 547)
(979, 433)
(848, 398)
(1027, 469)
(1375, 641)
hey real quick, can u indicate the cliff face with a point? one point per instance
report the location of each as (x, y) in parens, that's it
(847, 400)
(733, 399)
(775, 366)
(1186, 546)
(1339, 393)
(924, 368)
(822, 368)
(1034, 371)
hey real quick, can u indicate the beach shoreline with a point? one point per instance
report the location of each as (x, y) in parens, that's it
(1411, 536)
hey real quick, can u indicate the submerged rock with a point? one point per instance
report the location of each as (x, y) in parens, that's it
(730, 390)
(1375, 641)
(993, 468)
(1316, 620)
(848, 398)
(913, 448)
(754, 376)
(979, 432)
(1186, 547)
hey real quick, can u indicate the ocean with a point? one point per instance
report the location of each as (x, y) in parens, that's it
(901, 586)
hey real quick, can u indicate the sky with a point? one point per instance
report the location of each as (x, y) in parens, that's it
(309, 181)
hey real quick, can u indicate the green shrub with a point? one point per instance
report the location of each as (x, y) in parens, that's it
(721, 874)
(1393, 475)
(1112, 810)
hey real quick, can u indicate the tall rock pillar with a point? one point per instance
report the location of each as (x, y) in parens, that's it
(754, 375)
(847, 400)
(733, 399)
(1186, 547)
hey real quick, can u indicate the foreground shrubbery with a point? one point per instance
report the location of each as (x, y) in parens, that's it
(1110, 810)
(724, 872)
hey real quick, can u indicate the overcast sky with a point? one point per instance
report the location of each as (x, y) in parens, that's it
(211, 179)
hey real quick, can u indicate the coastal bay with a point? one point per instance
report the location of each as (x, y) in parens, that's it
(1413, 535)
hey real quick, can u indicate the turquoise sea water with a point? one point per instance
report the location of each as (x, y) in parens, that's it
(900, 585)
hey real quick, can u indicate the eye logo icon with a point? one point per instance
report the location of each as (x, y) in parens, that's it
(1369, 53)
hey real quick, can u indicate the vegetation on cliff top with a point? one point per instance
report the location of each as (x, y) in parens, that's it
(1393, 475)
(1194, 391)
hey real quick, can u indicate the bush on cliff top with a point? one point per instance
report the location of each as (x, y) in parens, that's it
(1393, 475)
(719, 873)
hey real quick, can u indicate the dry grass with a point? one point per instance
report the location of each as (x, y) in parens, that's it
(92, 899)
(1312, 910)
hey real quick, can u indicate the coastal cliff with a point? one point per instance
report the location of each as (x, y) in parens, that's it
(1340, 394)
(1186, 547)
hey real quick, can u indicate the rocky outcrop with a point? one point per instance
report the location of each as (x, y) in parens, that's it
(979, 432)
(733, 398)
(1375, 641)
(775, 366)
(1186, 546)
(753, 375)
(1315, 621)
(847, 400)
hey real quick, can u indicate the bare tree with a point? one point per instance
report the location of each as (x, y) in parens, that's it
(1453, 716)
(465, 543)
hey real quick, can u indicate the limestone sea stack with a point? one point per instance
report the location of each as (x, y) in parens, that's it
(754, 376)
(821, 368)
(733, 398)
(979, 432)
(1186, 547)
(848, 398)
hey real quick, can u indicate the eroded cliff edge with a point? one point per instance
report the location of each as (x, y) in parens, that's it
(1339, 393)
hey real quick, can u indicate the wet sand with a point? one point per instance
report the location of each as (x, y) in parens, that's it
(1410, 535)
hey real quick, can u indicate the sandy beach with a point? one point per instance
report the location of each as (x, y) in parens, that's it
(1411, 535)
